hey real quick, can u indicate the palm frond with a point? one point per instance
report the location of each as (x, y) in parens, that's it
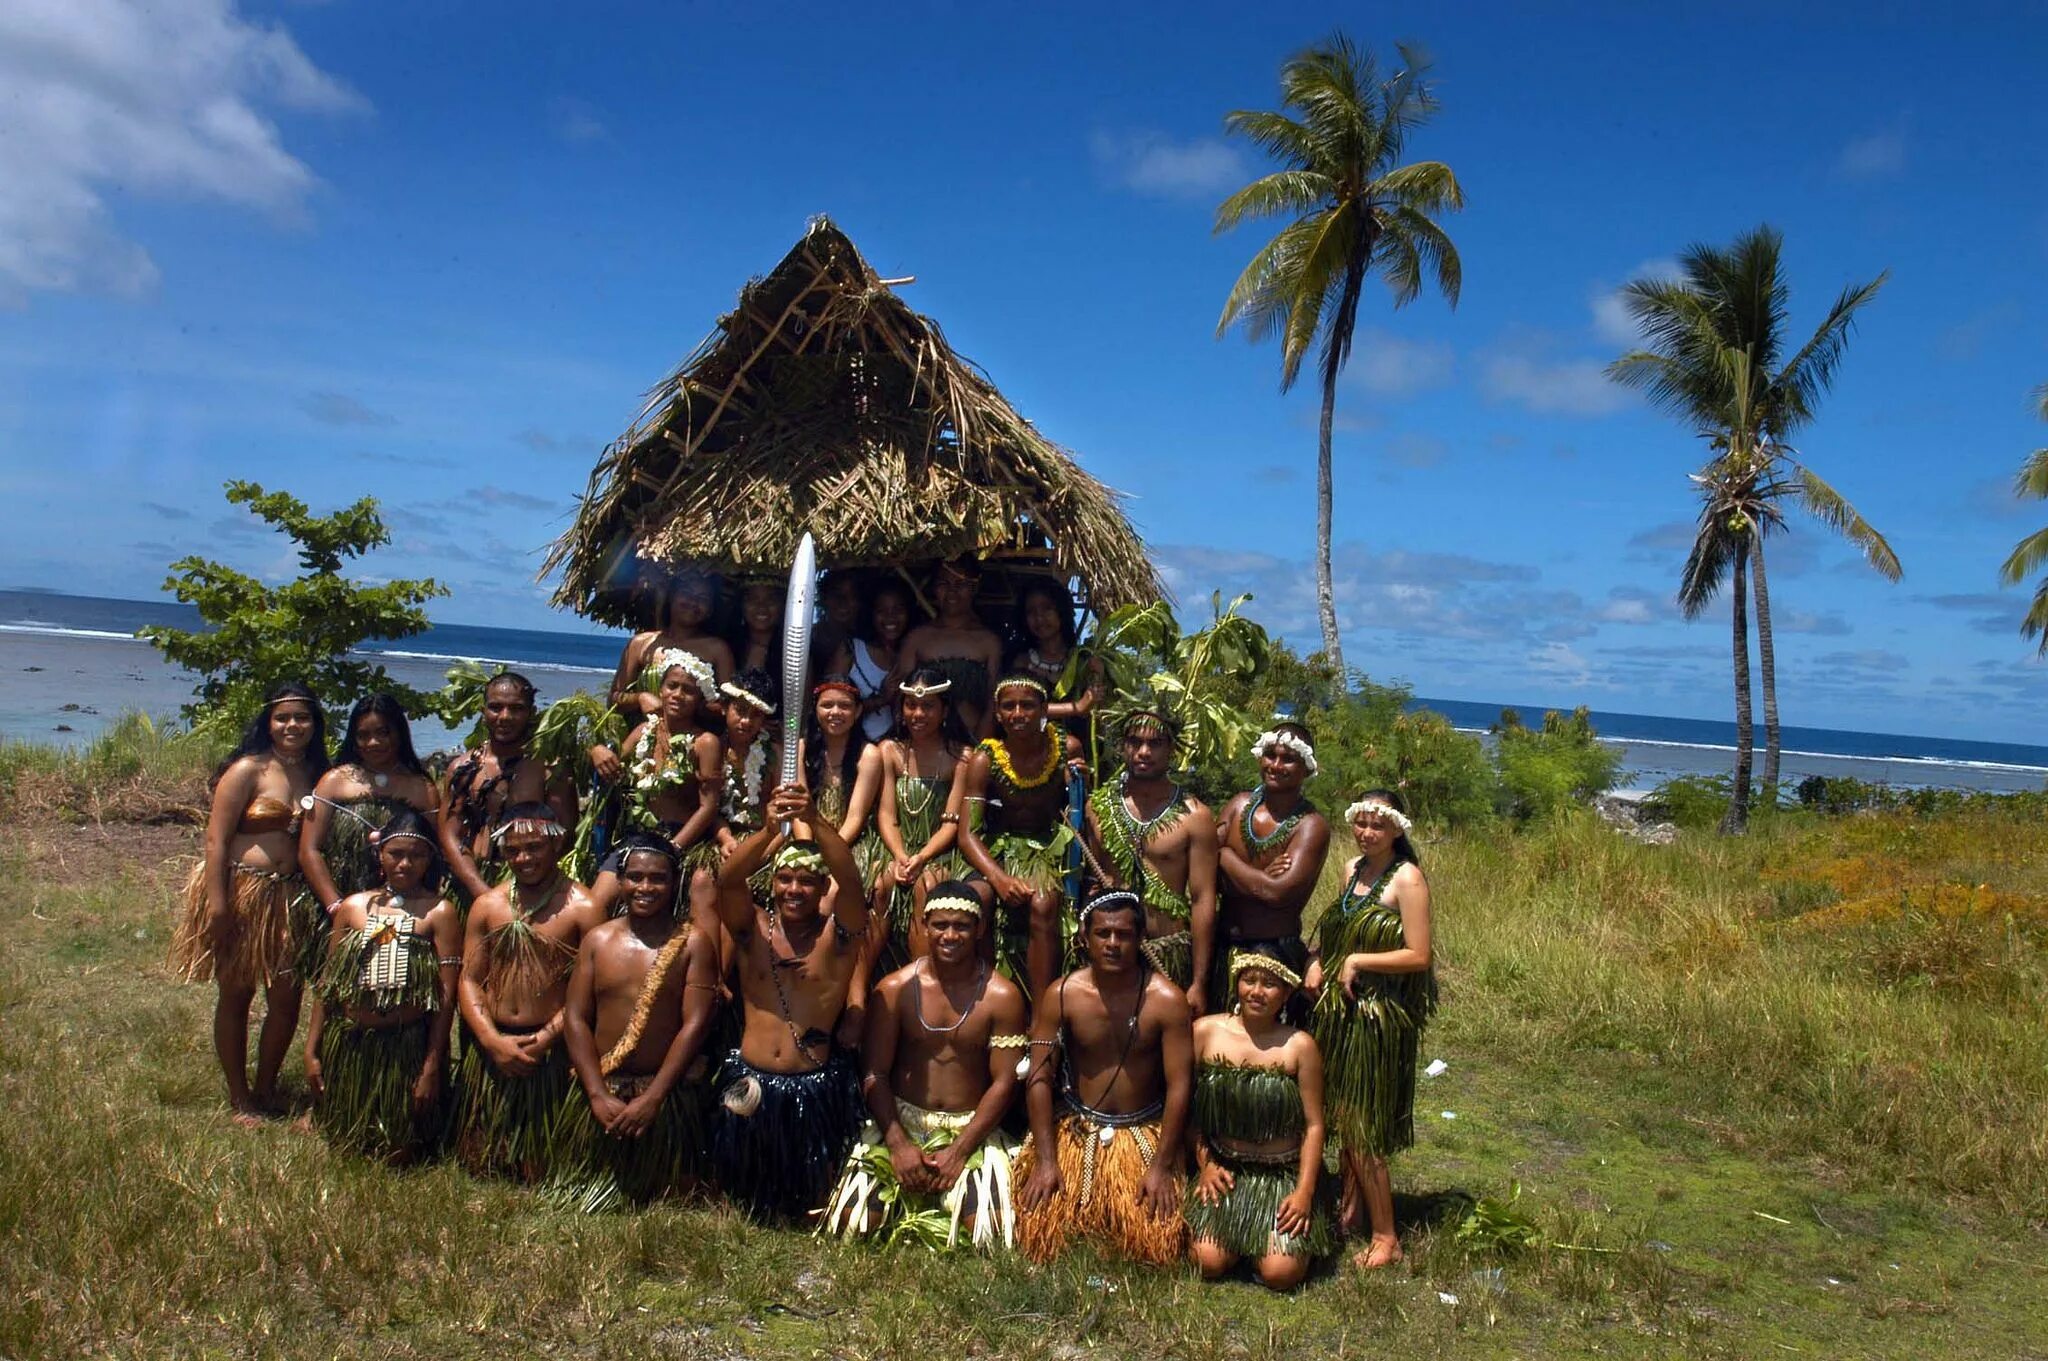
(1832, 509)
(1715, 551)
(1265, 294)
(1809, 373)
(1426, 186)
(2035, 625)
(1283, 191)
(2026, 557)
(1278, 136)
(2032, 482)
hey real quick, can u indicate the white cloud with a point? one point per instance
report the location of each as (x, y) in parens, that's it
(1152, 163)
(575, 122)
(158, 97)
(1385, 364)
(1550, 387)
(1877, 156)
(1611, 320)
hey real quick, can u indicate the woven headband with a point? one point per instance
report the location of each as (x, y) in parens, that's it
(529, 827)
(383, 838)
(1379, 808)
(731, 691)
(1288, 741)
(1110, 900)
(800, 856)
(1021, 683)
(954, 902)
(1240, 960)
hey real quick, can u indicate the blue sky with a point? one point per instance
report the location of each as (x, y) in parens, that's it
(434, 253)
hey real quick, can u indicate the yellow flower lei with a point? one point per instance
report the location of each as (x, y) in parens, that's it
(1055, 753)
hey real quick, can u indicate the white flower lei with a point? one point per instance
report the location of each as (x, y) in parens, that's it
(743, 796)
(651, 772)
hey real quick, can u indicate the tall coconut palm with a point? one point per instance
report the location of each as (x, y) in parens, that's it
(1357, 211)
(2029, 553)
(1716, 341)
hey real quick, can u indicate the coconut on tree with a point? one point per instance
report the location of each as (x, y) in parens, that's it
(1717, 354)
(1357, 211)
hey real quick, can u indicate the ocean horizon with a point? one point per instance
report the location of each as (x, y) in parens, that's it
(73, 666)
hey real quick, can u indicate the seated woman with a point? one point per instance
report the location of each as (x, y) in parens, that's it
(750, 756)
(1047, 647)
(843, 771)
(673, 773)
(236, 927)
(1256, 1126)
(874, 652)
(919, 817)
(757, 645)
(375, 776)
(377, 1044)
(962, 648)
(687, 609)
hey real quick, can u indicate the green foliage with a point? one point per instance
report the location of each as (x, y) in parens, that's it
(1543, 770)
(303, 630)
(1696, 802)
(1500, 1227)
(1197, 676)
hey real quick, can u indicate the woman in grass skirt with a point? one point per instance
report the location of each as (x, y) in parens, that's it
(1377, 992)
(377, 1046)
(1257, 1133)
(235, 926)
(919, 816)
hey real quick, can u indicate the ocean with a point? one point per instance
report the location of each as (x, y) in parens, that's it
(70, 665)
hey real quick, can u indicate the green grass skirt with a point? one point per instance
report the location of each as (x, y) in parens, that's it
(1242, 1221)
(505, 1126)
(592, 1171)
(368, 1075)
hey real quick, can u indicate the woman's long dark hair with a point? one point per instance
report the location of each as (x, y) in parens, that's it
(951, 730)
(815, 742)
(386, 707)
(1054, 590)
(1403, 849)
(256, 737)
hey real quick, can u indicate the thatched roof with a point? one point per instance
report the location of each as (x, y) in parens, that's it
(823, 403)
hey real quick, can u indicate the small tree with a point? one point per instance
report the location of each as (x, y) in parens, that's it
(1545, 769)
(303, 630)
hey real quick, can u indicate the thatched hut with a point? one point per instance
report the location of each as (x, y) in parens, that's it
(823, 403)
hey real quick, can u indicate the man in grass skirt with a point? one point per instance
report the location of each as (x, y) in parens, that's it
(1160, 841)
(641, 1003)
(1110, 1074)
(519, 948)
(1273, 846)
(377, 1044)
(789, 1099)
(944, 1035)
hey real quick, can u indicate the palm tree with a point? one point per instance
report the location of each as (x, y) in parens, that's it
(2030, 552)
(1715, 357)
(1356, 211)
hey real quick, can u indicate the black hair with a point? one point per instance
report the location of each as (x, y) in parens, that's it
(256, 739)
(913, 614)
(525, 687)
(528, 812)
(1021, 639)
(737, 636)
(1403, 848)
(411, 822)
(386, 707)
(643, 843)
(951, 730)
(756, 681)
(814, 744)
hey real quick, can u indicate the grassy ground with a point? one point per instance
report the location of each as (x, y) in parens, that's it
(1783, 1096)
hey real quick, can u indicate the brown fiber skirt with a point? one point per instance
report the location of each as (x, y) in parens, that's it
(260, 949)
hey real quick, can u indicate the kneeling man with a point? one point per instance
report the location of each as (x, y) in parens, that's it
(944, 1035)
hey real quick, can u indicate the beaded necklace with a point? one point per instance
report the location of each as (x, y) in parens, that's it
(1259, 845)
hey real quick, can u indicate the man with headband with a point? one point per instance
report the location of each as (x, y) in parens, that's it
(518, 950)
(1160, 841)
(1109, 1077)
(485, 783)
(640, 1007)
(789, 1099)
(944, 1036)
(1272, 846)
(1014, 838)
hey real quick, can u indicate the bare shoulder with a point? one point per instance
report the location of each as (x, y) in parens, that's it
(1170, 1002)
(491, 906)
(1004, 993)
(1409, 876)
(1206, 1027)
(604, 933)
(334, 781)
(891, 987)
(1302, 1045)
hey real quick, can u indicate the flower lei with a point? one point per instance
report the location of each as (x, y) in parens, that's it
(999, 757)
(742, 796)
(653, 773)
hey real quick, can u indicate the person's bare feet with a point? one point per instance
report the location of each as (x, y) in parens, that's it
(249, 1115)
(1382, 1252)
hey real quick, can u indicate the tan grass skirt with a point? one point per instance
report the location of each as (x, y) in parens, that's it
(1098, 1200)
(260, 951)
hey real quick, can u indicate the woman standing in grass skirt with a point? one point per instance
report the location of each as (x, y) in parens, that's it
(235, 929)
(377, 1045)
(1377, 993)
(919, 817)
(1257, 1127)
(375, 776)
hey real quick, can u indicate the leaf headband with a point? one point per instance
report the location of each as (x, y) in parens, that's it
(731, 691)
(1240, 960)
(1379, 808)
(529, 827)
(954, 902)
(801, 856)
(1287, 741)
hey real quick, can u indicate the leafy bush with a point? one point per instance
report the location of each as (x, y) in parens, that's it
(1543, 770)
(303, 630)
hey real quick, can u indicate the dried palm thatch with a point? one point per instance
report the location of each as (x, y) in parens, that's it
(823, 403)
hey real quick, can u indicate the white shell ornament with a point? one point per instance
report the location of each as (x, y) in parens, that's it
(743, 1097)
(1107, 1134)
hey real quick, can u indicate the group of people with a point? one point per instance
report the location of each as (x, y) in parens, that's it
(870, 999)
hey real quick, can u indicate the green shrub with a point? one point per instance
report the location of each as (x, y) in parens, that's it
(1543, 770)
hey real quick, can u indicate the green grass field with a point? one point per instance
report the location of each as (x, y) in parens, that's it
(1787, 1095)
